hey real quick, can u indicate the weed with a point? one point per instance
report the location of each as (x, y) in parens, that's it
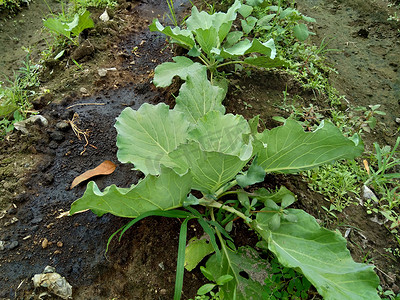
(15, 97)
(339, 183)
(69, 28)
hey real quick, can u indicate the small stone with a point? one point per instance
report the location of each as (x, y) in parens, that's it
(397, 120)
(104, 16)
(1, 245)
(83, 90)
(63, 126)
(57, 252)
(13, 245)
(45, 243)
(367, 193)
(102, 72)
(60, 244)
(163, 291)
(36, 220)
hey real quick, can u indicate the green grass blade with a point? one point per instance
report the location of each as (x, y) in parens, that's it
(160, 213)
(180, 265)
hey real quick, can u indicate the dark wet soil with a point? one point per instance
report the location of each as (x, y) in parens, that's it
(37, 170)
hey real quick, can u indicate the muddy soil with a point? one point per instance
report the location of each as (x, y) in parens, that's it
(36, 170)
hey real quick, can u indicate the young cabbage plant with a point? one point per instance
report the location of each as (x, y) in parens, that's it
(197, 147)
(70, 30)
(209, 38)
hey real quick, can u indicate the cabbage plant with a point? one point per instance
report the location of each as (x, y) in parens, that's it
(196, 155)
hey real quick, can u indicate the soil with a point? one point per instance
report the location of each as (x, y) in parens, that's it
(36, 170)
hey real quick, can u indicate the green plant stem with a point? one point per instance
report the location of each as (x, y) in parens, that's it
(226, 187)
(222, 241)
(205, 60)
(230, 63)
(212, 203)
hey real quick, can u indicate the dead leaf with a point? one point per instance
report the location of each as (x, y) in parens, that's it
(105, 168)
(366, 166)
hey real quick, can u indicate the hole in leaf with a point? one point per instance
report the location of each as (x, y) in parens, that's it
(244, 274)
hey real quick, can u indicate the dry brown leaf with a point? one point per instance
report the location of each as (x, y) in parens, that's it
(105, 168)
(366, 166)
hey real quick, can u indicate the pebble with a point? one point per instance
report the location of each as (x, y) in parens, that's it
(60, 244)
(102, 72)
(36, 220)
(13, 245)
(398, 120)
(367, 193)
(63, 126)
(1, 245)
(104, 16)
(83, 90)
(45, 243)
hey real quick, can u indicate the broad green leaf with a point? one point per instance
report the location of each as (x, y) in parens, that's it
(228, 134)
(210, 170)
(163, 192)
(247, 269)
(182, 67)
(254, 174)
(265, 62)
(288, 149)
(321, 255)
(71, 25)
(180, 36)
(245, 10)
(248, 24)
(57, 26)
(221, 22)
(146, 136)
(301, 32)
(232, 38)
(207, 39)
(84, 22)
(254, 2)
(246, 47)
(195, 251)
(197, 96)
(264, 21)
